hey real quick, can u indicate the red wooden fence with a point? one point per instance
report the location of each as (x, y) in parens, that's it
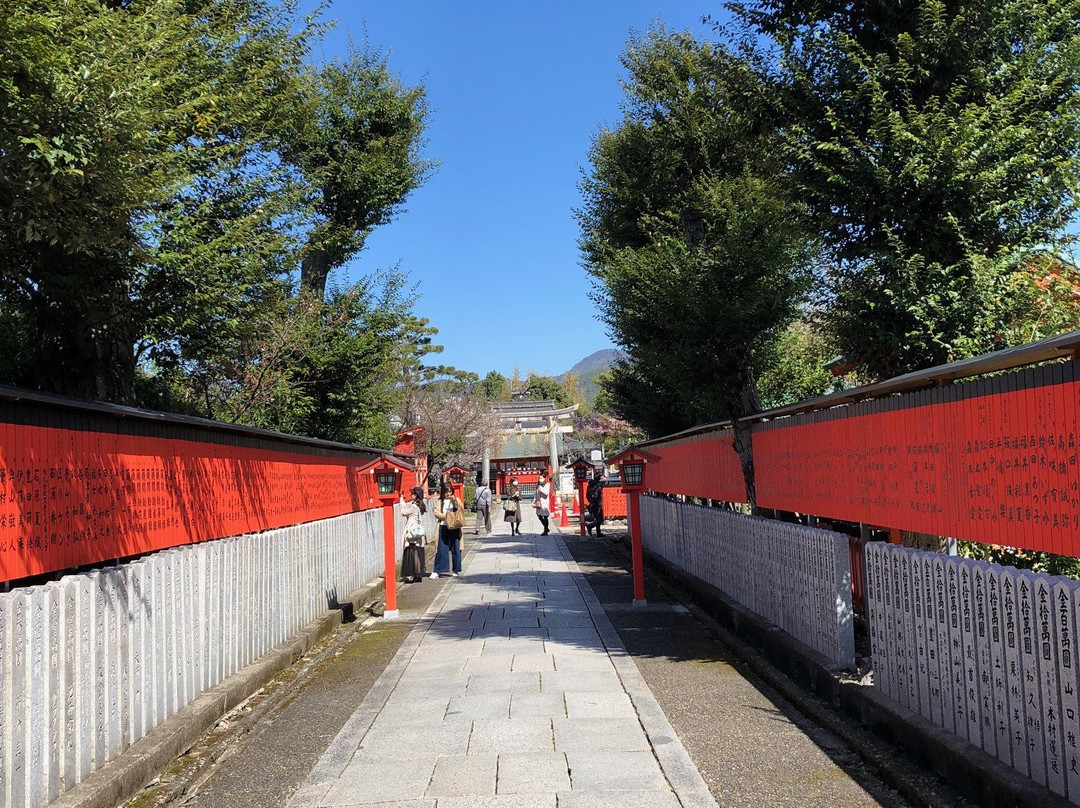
(76, 496)
(992, 460)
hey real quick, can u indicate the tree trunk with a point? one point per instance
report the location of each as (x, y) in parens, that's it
(86, 346)
(314, 270)
(748, 404)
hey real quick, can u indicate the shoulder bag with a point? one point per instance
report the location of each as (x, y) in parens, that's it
(455, 518)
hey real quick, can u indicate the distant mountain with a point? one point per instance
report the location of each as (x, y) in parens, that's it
(592, 366)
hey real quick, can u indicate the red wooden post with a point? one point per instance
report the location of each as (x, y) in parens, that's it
(581, 506)
(388, 475)
(389, 560)
(632, 464)
(581, 468)
(635, 548)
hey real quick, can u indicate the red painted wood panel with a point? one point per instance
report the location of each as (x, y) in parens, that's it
(993, 460)
(702, 466)
(614, 503)
(70, 497)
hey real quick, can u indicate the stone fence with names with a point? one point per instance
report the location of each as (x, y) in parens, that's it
(91, 663)
(798, 578)
(984, 651)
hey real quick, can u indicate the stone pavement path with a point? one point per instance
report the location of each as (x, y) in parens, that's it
(513, 690)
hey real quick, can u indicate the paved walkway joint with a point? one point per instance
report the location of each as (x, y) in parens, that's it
(512, 690)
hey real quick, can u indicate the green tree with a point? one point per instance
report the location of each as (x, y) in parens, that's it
(108, 112)
(328, 369)
(356, 137)
(547, 388)
(494, 387)
(698, 255)
(797, 369)
(571, 383)
(937, 144)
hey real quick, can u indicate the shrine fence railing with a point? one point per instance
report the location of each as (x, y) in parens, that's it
(796, 577)
(91, 663)
(984, 651)
(82, 484)
(992, 459)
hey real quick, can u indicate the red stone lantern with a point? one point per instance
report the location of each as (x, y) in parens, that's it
(456, 474)
(388, 472)
(632, 464)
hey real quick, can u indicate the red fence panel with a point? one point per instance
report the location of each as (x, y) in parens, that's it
(993, 460)
(705, 466)
(614, 503)
(71, 496)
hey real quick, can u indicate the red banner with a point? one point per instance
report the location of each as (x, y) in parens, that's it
(70, 498)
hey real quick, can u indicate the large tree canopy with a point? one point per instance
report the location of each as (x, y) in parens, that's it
(697, 252)
(937, 143)
(356, 137)
(112, 116)
(166, 167)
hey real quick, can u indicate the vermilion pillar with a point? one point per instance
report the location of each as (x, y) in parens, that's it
(389, 560)
(581, 468)
(581, 506)
(634, 512)
(388, 472)
(632, 464)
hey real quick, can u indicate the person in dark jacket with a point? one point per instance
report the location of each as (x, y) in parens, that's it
(594, 495)
(512, 507)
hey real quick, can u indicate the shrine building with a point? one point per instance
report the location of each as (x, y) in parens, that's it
(531, 443)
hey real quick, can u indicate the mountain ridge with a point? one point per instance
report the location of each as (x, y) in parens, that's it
(592, 366)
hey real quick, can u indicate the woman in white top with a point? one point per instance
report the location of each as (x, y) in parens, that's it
(412, 554)
(542, 503)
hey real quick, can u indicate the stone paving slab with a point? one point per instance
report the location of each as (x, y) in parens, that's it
(512, 691)
(471, 775)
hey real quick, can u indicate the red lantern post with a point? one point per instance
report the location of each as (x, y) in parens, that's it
(388, 474)
(632, 472)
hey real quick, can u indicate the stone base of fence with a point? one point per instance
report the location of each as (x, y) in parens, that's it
(124, 776)
(768, 649)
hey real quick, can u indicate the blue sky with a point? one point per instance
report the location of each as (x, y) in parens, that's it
(517, 91)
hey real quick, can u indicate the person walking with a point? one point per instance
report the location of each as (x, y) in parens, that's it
(413, 558)
(482, 502)
(542, 503)
(450, 513)
(594, 495)
(512, 507)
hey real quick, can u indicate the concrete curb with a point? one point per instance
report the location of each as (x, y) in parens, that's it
(123, 777)
(792, 668)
